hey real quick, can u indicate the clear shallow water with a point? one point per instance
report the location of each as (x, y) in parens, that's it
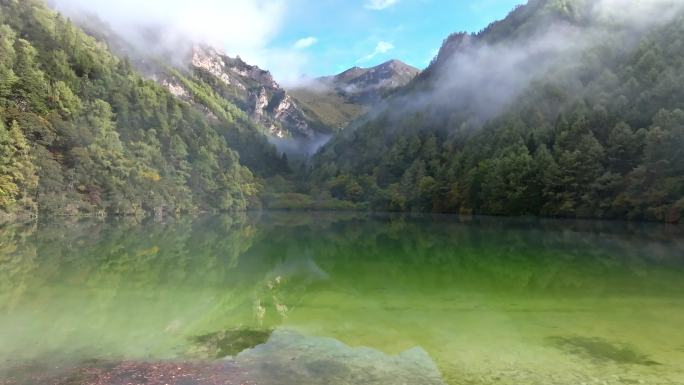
(285, 298)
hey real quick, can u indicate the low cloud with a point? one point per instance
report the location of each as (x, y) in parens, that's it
(475, 79)
(300, 147)
(238, 27)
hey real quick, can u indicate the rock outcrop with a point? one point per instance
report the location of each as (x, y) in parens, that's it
(369, 85)
(255, 90)
(292, 358)
(338, 100)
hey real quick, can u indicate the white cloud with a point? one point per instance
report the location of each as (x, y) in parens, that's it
(378, 5)
(246, 28)
(305, 42)
(286, 65)
(239, 27)
(382, 48)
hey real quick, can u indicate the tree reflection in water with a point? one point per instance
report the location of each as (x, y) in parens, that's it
(351, 298)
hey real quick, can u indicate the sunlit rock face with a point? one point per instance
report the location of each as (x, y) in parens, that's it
(176, 89)
(180, 91)
(210, 61)
(337, 101)
(262, 97)
(369, 85)
(291, 358)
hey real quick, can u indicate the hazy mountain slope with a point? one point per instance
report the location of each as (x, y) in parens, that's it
(94, 136)
(332, 109)
(199, 75)
(253, 90)
(369, 85)
(565, 108)
(201, 66)
(337, 100)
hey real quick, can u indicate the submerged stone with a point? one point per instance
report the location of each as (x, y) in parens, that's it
(600, 350)
(291, 358)
(228, 342)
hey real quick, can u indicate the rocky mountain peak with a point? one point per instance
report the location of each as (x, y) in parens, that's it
(338, 100)
(391, 74)
(396, 64)
(210, 60)
(369, 84)
(252, 88)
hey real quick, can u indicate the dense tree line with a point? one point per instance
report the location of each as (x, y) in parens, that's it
(81, 131)
(600, 137)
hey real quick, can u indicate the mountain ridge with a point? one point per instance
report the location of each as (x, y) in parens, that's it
(337, 100)
(266, 102)
(565, 108)
(368, 84)
(190, 66)
(96, 137)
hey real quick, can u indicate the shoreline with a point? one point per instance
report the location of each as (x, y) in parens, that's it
(6, 218)
(106, 372)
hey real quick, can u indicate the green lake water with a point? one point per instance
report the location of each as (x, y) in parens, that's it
(295, 298)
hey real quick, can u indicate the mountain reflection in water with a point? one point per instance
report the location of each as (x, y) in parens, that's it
(288, 298)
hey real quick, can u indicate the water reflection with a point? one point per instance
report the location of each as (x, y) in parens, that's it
(286, 298)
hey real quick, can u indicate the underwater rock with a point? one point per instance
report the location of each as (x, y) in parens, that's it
(228, 342)
(291, 358)
(600, 350)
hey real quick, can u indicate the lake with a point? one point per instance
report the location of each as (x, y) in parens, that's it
(336, 298)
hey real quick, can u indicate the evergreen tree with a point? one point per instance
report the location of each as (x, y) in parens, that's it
(18, 180)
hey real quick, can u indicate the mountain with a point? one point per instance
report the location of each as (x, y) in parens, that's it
(369, 85)
(84, 133)
(206, 77)
(338, 100)
(570, 108)
(566, 108)
(152, 56)
(252, 89)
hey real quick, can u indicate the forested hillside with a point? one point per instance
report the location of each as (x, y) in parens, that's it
(82, 132)
(570, 108)
(561, 109)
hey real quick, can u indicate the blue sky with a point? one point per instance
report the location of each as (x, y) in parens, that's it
(296, 38)
(339, 34)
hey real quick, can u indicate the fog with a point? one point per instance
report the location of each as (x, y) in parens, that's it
(296, 148)
(477, 80)
(242, 28)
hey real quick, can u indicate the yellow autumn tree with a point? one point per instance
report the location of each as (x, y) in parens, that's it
(18, 179)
